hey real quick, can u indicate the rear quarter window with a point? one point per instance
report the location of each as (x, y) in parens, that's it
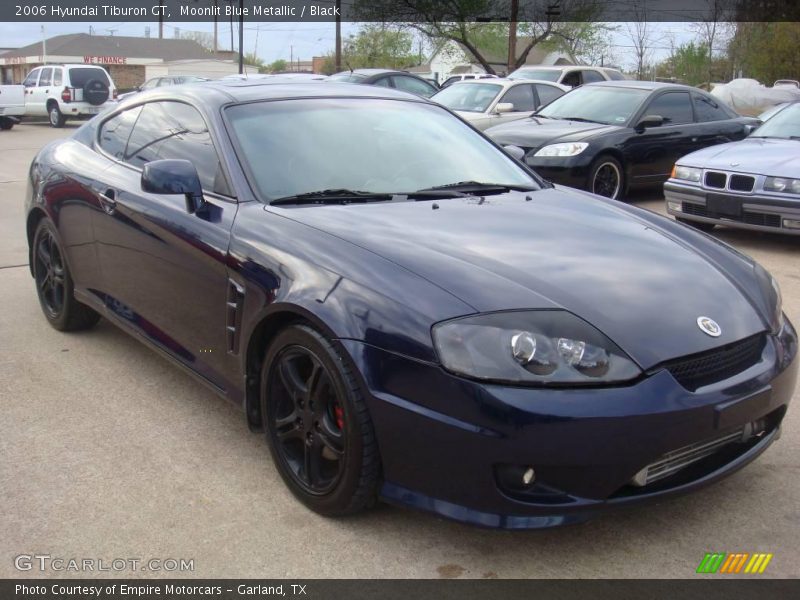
(80, 76)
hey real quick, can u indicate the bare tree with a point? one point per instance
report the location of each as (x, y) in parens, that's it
(713, 29)
(640, 33)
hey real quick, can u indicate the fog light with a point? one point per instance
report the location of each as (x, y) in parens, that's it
(528, 477)
(676, 206)
(791, 223)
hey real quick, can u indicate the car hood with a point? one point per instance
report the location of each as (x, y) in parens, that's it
(534, 132)
(766, 156)
(641, 285)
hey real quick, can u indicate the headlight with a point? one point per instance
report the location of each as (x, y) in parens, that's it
(782, 184)
(772, 296)
(566, 149)
(531, 347)
(687, 173)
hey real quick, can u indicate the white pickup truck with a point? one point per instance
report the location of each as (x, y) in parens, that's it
(12, 105)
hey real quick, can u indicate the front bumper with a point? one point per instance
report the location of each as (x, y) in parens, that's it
(572, 171)
(757, 212)
(446, 442)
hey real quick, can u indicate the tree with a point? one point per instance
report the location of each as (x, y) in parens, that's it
(276, 66)
(205, 39)
(766, 51)
(376, 45)
(458, 21)
(712, 29)
(641, 36)
(588, 42)
(251, 59)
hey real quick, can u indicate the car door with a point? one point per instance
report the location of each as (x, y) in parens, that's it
(413, 85)
(715, 124)
(651, 153)
(42, 91)
(523, 98)
(31, 85)
(164, 269)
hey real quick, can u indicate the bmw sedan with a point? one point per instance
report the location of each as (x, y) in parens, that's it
(610, 137)
(752, 184)
(438, 329)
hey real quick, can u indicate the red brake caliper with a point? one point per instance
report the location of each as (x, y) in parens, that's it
(339, 414)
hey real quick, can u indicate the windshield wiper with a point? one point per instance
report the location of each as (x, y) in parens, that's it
(468, 187)
(335, 196)
(582, 120)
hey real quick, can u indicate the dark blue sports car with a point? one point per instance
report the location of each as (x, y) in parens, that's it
(406, 311)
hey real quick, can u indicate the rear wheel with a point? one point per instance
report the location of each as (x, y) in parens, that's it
(318, 428)
(607, 178)
(54, 283)
(696, 224)
(57, 118)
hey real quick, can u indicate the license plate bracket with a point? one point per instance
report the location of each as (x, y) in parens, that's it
(736, 412)
(719, 205)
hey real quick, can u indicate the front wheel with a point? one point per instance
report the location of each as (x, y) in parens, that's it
(54, 283)
(318, 427)
(6, 124)
(57, 118)
(697, 224)
(607, 178)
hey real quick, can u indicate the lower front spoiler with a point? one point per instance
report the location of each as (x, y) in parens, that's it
(398, 495)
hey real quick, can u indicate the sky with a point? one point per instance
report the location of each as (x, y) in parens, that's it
(273, 41)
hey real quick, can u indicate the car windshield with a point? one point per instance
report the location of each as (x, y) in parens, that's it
(293, 147)
(471, 97)
(596, 103)
(785, 124)
(541, 74)
(347, 76)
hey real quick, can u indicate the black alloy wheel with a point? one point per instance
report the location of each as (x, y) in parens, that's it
(606, 178)
(317, 424)
(54, 284)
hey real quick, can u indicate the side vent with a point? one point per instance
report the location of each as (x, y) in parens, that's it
(233, 315)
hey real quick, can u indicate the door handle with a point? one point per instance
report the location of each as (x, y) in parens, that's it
(108, 201)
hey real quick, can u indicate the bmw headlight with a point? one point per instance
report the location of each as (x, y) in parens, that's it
(782, 184)
(566, 149)
(772, 296)
(687, 173)
(531, 347)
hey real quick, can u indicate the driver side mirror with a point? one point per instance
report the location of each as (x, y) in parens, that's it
(504, 107)
(172, 177)
(750, 128)
(649, 121)
(514, 151)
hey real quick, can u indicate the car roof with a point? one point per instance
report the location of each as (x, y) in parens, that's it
(369, 71)
(509, 82)
(642, 85)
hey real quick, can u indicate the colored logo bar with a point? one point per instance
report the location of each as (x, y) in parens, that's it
(735, 562)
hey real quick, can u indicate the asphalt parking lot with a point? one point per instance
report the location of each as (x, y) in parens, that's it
(107, 451)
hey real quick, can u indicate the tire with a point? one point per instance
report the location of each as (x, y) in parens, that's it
(697, 224)
(54, 284)
(600, 173)
(57, 119)
(317, 424)
(95, 92)
(6, 124)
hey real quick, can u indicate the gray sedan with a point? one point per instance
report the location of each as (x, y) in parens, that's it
(752, 184)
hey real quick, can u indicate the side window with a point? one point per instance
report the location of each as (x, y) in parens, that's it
(521, 96)
(450, 81)
(706, 109)
(572, 79)
(673, 106)
(615, 75)
(46, 77)
(176, 130)
(150, 83)
(415, 86)
(469, 77)
(115, 132)
(590, 76)
(547, 93)
(164, 81)
(58, 76)
(383, 82)
(32, 78)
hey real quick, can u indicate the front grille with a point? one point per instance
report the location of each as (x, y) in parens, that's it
(705, 368)
(676, 460)
(742, 183)
(716, 180)
(762, 219)
(690, 208)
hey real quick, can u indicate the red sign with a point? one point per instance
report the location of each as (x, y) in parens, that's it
(105, 60)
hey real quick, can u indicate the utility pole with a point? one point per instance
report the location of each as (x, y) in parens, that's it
(216, 19)
(161, 19)
(512, 36)
(241, 36)
(338, 58)
(44, 47)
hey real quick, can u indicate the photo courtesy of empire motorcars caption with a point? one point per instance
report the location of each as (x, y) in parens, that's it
(418, 299)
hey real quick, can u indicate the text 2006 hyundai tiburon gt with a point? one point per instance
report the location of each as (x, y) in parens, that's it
(406, 311)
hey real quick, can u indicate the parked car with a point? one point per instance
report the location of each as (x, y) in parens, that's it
(155, 82)
(609, 137)
(12, 105)
(63, 92)
(487, 103)
(751, 184)
(572, 76)
(400, 80)
(412, 315)
(466, 77)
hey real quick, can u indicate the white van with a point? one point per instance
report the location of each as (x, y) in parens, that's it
(63, 92)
